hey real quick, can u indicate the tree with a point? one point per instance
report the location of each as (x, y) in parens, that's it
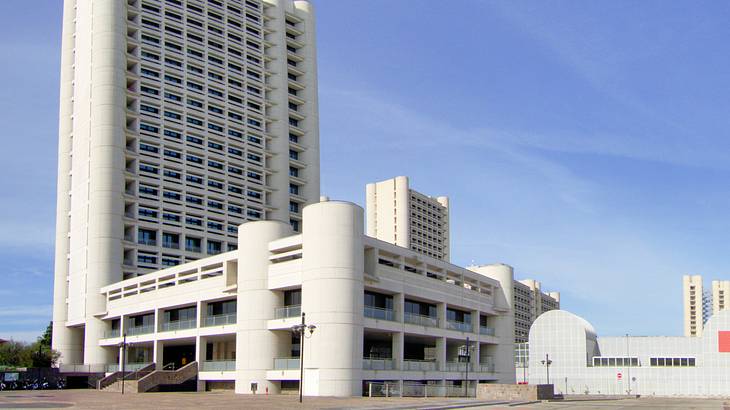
(22, 354)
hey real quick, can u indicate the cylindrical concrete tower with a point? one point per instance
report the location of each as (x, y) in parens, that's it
(332, 298)
(256, 346)
(504, 323)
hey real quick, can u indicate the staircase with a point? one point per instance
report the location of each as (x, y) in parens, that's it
(113, 382)
(148, 379)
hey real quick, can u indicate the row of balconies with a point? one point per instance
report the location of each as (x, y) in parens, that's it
(389, 314)
(292, 363)
(214, 320)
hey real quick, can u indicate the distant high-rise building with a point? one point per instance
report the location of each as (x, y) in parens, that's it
(531, 302)
(407, 218)
(720, 292)
(696, 305)
(179, 120)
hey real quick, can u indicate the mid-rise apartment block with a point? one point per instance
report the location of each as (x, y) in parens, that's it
(374, 312)
(405, 217)
(720, 292)
(530, 302)
(179, 121)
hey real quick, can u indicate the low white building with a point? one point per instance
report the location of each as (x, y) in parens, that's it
(580, 362)
(382, 312)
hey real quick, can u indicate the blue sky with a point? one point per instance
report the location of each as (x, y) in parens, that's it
(584, 143)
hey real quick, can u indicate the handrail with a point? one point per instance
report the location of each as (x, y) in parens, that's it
(286, 363)
(219, 320)
(422, 320)
(288, 311)
(178, 325)
(159, 377)
(379, 313)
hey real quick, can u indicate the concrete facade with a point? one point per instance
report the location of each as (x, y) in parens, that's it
(405, 217)
(583, 363)
(179, 120)
(701, 303)
(382, 312)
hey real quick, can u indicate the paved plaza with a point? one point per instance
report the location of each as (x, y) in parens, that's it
(92, 399)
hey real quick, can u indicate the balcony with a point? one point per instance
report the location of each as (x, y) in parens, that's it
(460, 326)
(112, 333)
(377, 364)
(288, 311)
(420, 365)
(140, 330)
(286, 363)
(455, 367)
(379, 313)
(146, 241)
(220, 320)
(488, 331)
(422, 320)
(178, 325)
(219, 366)
(486, 367)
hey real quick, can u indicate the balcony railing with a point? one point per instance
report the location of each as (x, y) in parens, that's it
(111, 333)
(420, 320)
(286, 363)
(178, 325)
(379, 313)
(486, 367)
(288, 311)
(420, 365)
(219, 366)
(484, 330)
(140, 330)
(219, 320)
(455, 366)
(377, 364)
(133, 367)
(144, 241)
(111, 368)
(460, 326)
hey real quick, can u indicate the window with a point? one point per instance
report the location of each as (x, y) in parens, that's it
(192, 244)
(294, 189)
(293, 207)
(146, 237)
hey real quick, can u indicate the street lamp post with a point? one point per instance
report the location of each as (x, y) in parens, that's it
(124, 359)
(301, 329)
(628, 368)
(467, 355)
(547, 362)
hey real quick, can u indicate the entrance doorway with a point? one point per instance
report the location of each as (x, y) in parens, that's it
(177, 356)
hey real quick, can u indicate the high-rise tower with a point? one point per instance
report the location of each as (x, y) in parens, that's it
(408, 218)
(179, 120)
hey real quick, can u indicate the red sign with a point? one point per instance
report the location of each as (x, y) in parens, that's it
(619, 375)
(723, 341)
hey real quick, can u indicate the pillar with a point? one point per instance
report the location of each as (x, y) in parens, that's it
(256, 346)
(332, 297)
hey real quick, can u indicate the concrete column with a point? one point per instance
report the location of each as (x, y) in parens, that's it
(399, 305)
(441, 353)
(157, 354)
(332, 297)
(475, 322)
(200, 342)
(474, 359)
(441, 309)
(504, 324)
(397, 343)
(66, 341)
(256, 346)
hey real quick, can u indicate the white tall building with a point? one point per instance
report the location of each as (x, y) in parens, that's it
(700, 304)
(405, 217)
(530, 302)
(179, 120)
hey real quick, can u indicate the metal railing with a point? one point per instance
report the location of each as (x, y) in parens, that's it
(379, 313)
(82, 368)
(460, 326)
(133, 367)
(140, 330)
(219, 320)
(377, 364)
(288, 311)
(420, 320)
(178, 325)
(456, 366)
(420, 365)
(486, 367)
(111, 368)
(219, 366)
(286, 363)
(485, 330)
(111, 333)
